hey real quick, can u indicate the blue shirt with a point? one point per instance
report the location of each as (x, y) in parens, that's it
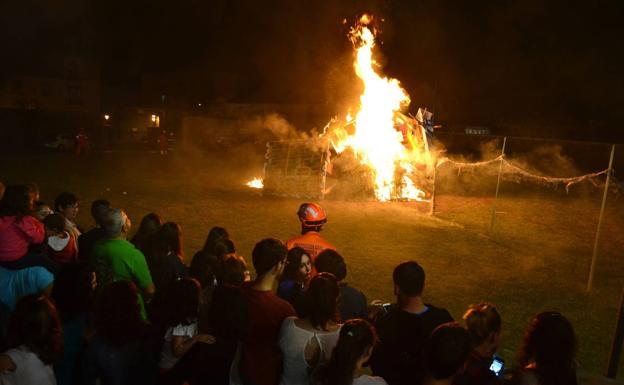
(15, 284)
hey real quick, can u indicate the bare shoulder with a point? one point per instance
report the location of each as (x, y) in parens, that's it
(528, 377)
(6, 364)
(369, 380)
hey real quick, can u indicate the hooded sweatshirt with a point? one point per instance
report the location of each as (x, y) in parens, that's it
(17, 235)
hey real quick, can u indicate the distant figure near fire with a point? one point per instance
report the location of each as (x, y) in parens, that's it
(312, 217)
(163, 143)
(81, 142)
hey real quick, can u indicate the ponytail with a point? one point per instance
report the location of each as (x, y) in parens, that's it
(356, 337)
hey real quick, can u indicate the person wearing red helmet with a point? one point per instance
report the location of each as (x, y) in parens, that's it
(312, 218)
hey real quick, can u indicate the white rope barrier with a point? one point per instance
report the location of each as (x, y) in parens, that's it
(554, 180)
(467, 164)
(512, 168)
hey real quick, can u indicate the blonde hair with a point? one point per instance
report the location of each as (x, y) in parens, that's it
(481, 320)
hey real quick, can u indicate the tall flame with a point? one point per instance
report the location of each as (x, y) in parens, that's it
(376, 142)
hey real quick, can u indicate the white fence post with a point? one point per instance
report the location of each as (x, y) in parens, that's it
(590, 281)
(500, 170)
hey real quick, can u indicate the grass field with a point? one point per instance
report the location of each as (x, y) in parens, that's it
(538, 258)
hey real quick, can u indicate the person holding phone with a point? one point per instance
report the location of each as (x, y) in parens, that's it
(483, 366)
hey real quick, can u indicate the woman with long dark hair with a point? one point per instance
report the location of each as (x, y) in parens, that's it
(308, 342)
(35, 341)
(215, 235)
(205, 263)
(354, 348)
(144, 237)
(547, 354)
(295, 278)
(166, 263)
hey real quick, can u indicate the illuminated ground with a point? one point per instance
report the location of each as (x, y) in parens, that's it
(538, 260)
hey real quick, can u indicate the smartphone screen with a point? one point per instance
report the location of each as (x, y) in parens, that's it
(497, 366)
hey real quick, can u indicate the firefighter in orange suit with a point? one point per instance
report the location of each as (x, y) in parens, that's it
(312, 218)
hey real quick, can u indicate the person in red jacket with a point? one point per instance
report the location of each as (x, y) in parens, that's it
(81, 142)
(312, 218)
(19, 229)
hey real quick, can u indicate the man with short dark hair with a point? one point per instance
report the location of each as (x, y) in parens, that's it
(445, 353)
(87, 241)
(352, 302)
(404, 329)
(261, 358)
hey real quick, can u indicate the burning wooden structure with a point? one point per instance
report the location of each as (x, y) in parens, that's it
(394, 148)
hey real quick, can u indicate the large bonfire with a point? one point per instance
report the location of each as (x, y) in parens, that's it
(391, 145)
(377, 141)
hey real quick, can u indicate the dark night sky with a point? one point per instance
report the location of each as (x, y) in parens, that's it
(474, 60)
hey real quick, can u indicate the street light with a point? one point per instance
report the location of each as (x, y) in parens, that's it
(106, 116)
(155, 120)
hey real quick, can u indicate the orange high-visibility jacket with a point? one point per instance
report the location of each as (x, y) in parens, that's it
(311, 242)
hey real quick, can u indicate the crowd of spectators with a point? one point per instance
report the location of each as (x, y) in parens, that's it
(99, 307)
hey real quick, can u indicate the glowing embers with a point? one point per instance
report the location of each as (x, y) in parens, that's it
(256, 183)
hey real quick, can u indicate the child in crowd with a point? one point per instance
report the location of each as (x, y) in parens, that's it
(182, 332)
(354, 348)
(61, 245)
(42, 210)
(36, 342)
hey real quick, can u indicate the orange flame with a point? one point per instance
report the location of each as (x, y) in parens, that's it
(375, 142)
(256, 183)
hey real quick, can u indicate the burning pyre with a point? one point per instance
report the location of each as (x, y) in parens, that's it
(382, 138)
(392, 146)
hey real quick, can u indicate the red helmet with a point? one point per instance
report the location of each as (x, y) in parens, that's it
(311, 214)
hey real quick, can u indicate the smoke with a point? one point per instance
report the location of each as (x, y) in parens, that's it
(274, 126)
(546, 160)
